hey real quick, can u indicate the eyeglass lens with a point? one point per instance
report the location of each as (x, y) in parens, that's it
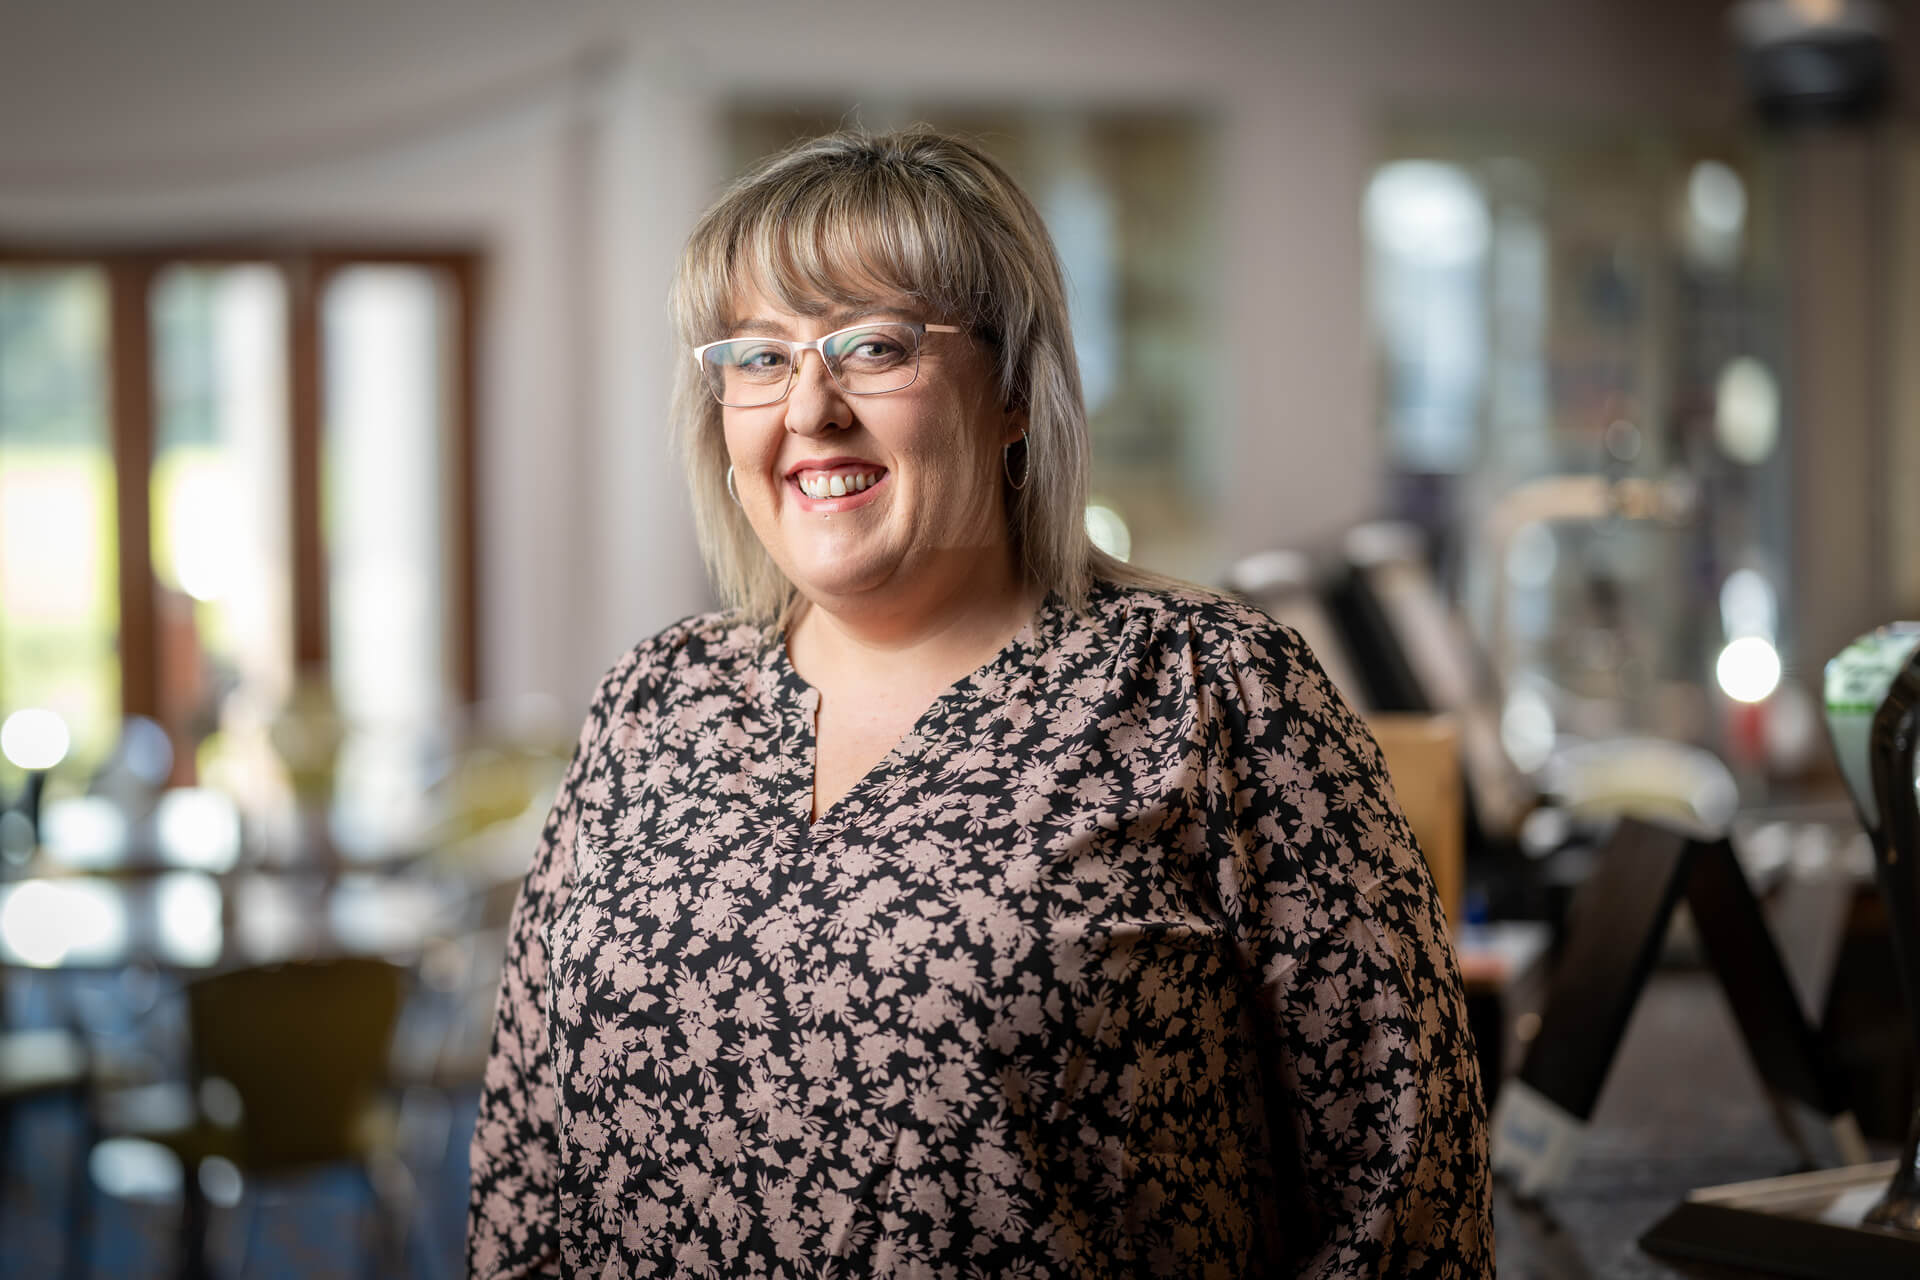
(865, 361)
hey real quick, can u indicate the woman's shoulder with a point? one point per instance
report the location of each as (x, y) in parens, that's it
(1212, 624)
(1227, 652)
(723, 636)
(702, 650)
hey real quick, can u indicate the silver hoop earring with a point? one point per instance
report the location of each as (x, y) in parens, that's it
(1026, 465)
(730, 492)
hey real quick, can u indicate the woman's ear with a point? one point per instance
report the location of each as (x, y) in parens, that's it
(1016, 426)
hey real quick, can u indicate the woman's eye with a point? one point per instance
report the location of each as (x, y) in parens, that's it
(763, 358)
(873, 348)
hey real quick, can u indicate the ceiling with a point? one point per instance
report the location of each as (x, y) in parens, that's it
(93, 89)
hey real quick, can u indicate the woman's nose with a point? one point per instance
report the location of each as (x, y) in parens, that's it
(814, 402)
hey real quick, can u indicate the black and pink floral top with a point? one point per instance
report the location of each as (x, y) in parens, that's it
(1123, 962)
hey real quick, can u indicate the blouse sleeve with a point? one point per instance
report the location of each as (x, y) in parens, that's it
(1373, 1078)
(512, 1220)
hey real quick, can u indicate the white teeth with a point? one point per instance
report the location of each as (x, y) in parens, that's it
(817, 485)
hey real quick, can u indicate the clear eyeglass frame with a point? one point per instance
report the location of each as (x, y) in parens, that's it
(819, 346)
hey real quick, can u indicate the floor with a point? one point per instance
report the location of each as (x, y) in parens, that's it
(319, 1225)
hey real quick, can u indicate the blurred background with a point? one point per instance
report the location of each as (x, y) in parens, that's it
(1540, 362)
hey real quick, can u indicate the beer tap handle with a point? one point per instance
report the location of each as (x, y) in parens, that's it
(1897, 853)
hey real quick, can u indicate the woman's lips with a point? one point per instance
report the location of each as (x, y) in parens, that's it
(813, 488)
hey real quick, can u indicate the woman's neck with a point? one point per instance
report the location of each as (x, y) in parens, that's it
(903, 643)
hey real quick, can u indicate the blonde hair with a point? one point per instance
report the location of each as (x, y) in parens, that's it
(841, 219)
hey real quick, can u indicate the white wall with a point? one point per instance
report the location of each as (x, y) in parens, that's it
(575, 141)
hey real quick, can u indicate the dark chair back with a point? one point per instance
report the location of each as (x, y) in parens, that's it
(305, 1045)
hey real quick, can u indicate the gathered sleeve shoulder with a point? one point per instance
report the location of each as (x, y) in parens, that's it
(512, 1223)
(1331, 905)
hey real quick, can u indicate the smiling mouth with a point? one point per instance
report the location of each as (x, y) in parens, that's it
(837, 482)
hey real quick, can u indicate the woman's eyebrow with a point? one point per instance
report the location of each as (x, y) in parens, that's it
(841, 319)
(836, 319)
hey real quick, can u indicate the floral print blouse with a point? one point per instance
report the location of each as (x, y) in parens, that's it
(1123, 962)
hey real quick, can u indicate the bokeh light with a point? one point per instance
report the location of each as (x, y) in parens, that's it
(1746, 411)
(1748, 669)
(44, 923)
(34, 738)
(1109, 531)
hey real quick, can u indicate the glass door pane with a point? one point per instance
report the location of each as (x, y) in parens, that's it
(386, 355)
(219, 495)
(59, 558)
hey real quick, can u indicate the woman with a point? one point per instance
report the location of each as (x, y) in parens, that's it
(962, 902)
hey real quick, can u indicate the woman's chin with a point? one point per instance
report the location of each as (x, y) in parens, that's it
(841, 580)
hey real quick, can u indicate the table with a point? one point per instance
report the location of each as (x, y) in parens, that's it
(192, 920)
(1682, 1108)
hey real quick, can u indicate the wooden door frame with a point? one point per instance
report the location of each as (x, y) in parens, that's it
(306, 266)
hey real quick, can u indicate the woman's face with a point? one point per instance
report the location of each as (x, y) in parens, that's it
(933, 518)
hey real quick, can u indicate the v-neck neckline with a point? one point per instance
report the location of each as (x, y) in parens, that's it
(800, 708)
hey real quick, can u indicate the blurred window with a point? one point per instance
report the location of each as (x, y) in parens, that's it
(1558, 311)
(386, 331)
(59, 608)
(300, 425)
(1428, 228)
(220, 541)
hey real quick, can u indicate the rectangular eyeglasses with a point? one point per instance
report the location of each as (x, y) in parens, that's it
(863, 359)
